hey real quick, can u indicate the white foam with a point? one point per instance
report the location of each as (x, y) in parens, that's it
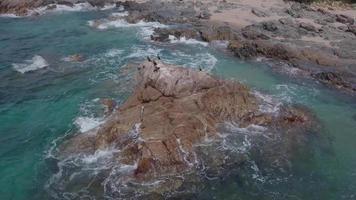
(146, 28)
(120, 14)
(250, 129)
(37, 62)
(108, 7)
(184, 40)
(268, 104)
(62, 8)
(184, 153)
(88, 123)
(10, 15)
(121, 23)
(99, 154)
(143, 51)
(114, 53)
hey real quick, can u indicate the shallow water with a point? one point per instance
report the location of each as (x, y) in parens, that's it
(37, 107)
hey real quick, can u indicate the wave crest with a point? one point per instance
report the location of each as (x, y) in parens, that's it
(37, 62)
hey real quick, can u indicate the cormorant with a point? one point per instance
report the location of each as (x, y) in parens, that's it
(149, 59)
(156, 69)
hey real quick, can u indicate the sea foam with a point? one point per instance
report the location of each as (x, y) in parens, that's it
(184, 40)
(37, 62)
(88, 123)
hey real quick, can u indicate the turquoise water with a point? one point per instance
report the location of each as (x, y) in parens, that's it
(40, 106)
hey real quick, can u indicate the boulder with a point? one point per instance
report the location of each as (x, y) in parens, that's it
(308, 27)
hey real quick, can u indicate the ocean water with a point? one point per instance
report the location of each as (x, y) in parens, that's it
(45, 96)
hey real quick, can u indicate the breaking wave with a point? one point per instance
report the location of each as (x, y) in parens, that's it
(88, 123)
(117, 21)
(37, 62)
(184, 40)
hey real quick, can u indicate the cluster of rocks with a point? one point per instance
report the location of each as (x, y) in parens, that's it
(173, 110)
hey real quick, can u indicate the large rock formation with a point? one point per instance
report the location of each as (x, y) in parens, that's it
(172, 110)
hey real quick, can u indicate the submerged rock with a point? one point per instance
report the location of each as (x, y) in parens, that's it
(159, 129)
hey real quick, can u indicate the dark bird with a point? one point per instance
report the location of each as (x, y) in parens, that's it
(149, 59)
(154, 63)
(156, 69)
(159, 58)
(200, 69)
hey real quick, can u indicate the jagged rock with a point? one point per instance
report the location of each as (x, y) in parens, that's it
(345, 19)
(333, 79)
(171, 110)
(217, 32)
(308, 27)
(110, 105)
(66, 3)
(352, 29)
(270, 26)
(259, 13)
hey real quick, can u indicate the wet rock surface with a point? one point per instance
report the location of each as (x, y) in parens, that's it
(180, 127)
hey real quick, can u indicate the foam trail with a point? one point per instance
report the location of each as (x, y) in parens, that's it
(10, 15)
(121, 23)
(37, 62)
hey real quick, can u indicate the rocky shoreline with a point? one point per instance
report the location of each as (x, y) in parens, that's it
(316, 42)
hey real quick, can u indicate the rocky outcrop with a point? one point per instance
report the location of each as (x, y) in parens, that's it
(171, 111)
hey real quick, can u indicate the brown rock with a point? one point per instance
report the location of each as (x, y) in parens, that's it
(76, 58)
(109, 104)
(170, 112)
